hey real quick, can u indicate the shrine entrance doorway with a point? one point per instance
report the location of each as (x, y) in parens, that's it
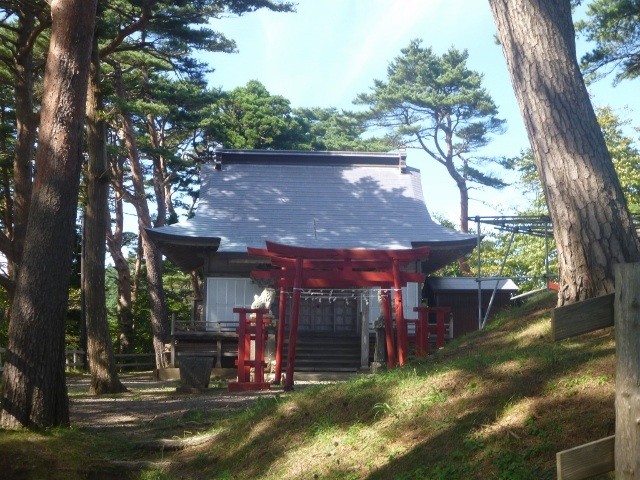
(338, 316)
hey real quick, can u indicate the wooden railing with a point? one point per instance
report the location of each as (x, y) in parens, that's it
(136, 360)
(74, 359)
(179, 326)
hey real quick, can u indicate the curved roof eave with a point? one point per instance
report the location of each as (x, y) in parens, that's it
(187, 253)
(445, 252)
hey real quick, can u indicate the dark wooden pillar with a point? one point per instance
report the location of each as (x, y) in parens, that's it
(400, 325)
(385, 304)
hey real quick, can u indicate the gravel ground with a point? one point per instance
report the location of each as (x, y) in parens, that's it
(149, 402)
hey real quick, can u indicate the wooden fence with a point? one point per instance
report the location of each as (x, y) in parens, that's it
(74, 359)
(619, 452)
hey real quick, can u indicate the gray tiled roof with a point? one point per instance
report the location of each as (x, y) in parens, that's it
(312, 199)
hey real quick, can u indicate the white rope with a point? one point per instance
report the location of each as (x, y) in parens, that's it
(332, 294)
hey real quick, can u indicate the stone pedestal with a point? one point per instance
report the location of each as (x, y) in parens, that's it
(380, 352)
(195, 371)
(377, 367)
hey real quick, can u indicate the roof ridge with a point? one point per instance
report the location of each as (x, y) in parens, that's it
(231, 156)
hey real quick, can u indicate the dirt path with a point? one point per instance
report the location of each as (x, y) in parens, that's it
(154, 408)
(151, 403)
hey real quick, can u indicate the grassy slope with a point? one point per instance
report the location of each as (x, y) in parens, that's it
(497, 404)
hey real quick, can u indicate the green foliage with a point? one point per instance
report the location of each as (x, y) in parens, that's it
(177, 287)
(166, 93)
(7, 121)
(529, 182)
(250, 117)
(526, 262)
(439, 105)
(178, 292)
(73, 328)
(614, 27)
(330, 129)
(173, 29)
(624, 153)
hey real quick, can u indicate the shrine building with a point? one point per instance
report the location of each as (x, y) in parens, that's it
(305, 202)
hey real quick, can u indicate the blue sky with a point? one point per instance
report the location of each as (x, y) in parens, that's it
(331, 50)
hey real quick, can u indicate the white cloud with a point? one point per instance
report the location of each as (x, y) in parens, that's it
(381, 37)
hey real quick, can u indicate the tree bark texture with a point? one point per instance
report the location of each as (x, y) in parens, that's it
(102, 365)
(26, 130)
(35, 393)
(627, 329)
(115, 243)
(159, 177)
(592, 225)
(152, 256)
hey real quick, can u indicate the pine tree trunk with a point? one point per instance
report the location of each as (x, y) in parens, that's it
(152, 256)
(102, 365)
(161, 176)
(34, 392)
(463, 191)
(124, 307)
(137, 272)
(592, 226)
(159, 316)
(26, 131)
(463, 263)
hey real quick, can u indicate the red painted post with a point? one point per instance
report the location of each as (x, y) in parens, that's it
(248, 329)
(388, 327)
(424, 321)
(400, 325)
(258, 359)
(441, 326)
(422, 331)
(242, 353)
(247, 348)
(293, 327)
(407, 324)
(282, 315)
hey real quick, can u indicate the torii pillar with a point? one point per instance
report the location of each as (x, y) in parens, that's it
(293, 327)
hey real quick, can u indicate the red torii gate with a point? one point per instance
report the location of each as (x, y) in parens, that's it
(302, 267)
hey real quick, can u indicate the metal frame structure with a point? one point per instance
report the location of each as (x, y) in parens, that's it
(536, 225)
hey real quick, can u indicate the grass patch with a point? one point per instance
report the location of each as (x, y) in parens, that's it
(495, 404)
(59, 453)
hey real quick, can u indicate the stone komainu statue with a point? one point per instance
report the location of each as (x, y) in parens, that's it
(264, 300)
